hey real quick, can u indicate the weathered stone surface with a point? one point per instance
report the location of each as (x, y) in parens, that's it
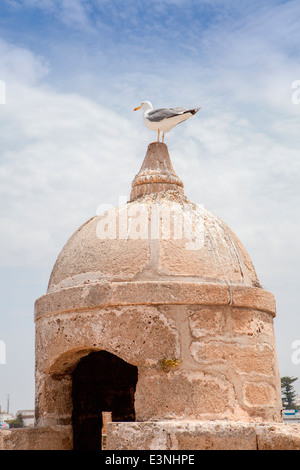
(42, 438)
(53, 399)
(136, 334)
(182, 394)
(252, 323)
(273, 436)
(164, 435)
(206, 321)
(181, 435)
(162, 233)
(255, 298)
(259, 393)
(142, 335)
(89, 257)
(156, 174)
(145, 292)
(206, 250)
(106, 294)
(202, 435)
(244, 358)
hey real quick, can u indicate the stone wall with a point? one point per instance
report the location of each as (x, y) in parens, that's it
(170, 435)
(189, 435)
(43, 438)
(227, 357)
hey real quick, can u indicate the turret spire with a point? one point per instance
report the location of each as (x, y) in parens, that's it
(156, 174)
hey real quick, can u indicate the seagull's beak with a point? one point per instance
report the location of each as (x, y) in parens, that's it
(135, 109)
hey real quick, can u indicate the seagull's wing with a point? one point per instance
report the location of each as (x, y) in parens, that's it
(176, 111)
(159, 114)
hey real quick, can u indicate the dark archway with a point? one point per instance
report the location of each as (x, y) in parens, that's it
(100, 382)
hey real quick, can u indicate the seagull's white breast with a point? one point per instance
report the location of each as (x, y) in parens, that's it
(165, 125)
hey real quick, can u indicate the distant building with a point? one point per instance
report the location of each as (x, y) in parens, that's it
(27, 417)
(4, 416)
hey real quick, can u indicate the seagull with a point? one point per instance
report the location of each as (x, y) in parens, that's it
(164, 119)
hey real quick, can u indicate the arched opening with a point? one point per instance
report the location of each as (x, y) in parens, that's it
(101, 382)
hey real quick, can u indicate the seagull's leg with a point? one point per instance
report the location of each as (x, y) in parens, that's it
(163, 136)
(158, 135)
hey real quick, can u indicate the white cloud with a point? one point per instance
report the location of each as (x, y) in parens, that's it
(20, 65)
(255, 54)
(57, 164)
(66, 144)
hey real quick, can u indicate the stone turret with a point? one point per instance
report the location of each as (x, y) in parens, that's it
(154, 313)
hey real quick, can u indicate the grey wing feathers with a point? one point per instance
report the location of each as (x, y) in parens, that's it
(159, 114)
(164, 113)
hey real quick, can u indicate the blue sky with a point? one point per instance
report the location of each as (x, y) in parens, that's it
(75, 69)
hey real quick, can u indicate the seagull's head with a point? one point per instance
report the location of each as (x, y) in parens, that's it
(145, 105)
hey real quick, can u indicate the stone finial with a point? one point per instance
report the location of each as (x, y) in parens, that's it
(156, 174)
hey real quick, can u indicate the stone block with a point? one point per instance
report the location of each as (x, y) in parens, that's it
(203, 435)
(206, 321)
(37, 438)
(252, 323)
(181, 435)
(249, 359)
(182, 394)
(253, 297)
(106, 294)
(259, 394)
(284, 436)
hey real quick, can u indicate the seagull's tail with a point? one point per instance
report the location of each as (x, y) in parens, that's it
(193, 111)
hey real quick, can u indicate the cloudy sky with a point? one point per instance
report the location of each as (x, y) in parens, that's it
(71, 72)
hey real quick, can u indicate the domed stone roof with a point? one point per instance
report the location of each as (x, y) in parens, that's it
(158, 235)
